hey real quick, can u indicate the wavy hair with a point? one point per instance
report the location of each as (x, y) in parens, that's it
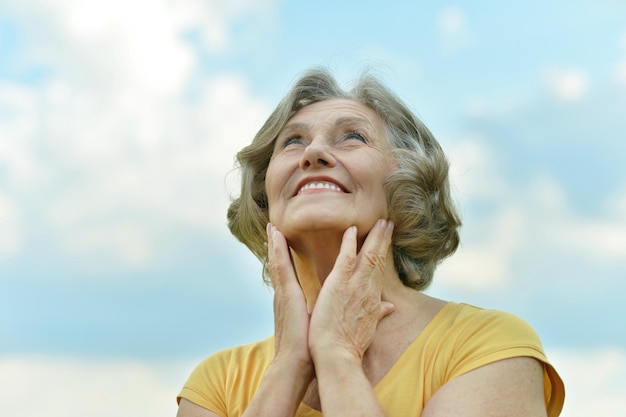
(418, 191)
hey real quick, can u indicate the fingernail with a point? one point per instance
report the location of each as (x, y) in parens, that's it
(389, 229)
(267, 228)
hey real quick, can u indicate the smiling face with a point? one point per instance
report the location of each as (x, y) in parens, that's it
(328, 168)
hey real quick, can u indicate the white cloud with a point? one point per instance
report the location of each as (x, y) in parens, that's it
(482, 261)
(70, 387)
(595, 381)
(11, 235)
(485, 264)
(453, 27)
(476, 107)
(111, 46)
(600, 239)
(149, 31)
(616, 205)
(473, 169)
(619, 72)
(516, 223)
(18, 108)
(145, 167)
(570, 84)
(111, 172)
(108, 152)
(18, 167)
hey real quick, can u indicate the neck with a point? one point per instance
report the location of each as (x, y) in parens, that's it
(313, 260)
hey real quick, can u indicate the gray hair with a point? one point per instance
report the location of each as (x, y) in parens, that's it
(418, 191)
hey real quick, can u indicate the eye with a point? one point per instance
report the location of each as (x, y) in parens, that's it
(293, 140)
(356, 136)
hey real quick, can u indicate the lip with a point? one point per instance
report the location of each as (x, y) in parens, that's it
(309, 180)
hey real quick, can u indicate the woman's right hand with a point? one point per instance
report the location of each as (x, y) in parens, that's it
(287, 378)
(291, 317)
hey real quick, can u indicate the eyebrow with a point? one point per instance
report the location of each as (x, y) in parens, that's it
(296, 126)
(348, 120)
(351, 120)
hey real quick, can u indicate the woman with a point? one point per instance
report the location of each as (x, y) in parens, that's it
(345, 199)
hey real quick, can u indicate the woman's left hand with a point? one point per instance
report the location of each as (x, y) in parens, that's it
(349, 306)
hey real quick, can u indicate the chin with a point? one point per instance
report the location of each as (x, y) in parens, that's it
(325, 223)
(307, 225)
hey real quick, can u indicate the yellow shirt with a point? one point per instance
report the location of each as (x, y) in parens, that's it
(459, 338)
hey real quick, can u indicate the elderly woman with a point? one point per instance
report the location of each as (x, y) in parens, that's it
(345, 199)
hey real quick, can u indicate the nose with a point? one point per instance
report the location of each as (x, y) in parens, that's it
(317, 154)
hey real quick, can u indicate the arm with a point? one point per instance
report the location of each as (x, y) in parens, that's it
(279, 394)
(188, 409)
(344, 388)
(356, 289)
(507, 388)
(285, 382)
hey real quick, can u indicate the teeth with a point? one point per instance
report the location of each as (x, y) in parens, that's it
(320, 185)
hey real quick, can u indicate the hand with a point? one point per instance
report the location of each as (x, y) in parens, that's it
(349, 306)
(291, 317)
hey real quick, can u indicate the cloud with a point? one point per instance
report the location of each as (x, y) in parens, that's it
(595, 381)
(619, 72)
(485, 264)
(102, 45)
(11, 236)
(453, 27)
(473, 169)
(18, 167)
(570, 84)
(483, 260)
(112, 150)
(597, 238)
(139, 40)
(146, 167)
(72, 387)
(505, 223)
(18, 108)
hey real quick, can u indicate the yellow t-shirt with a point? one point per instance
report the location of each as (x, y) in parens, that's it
(459, 338)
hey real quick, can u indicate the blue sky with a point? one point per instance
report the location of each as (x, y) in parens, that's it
(118, 126)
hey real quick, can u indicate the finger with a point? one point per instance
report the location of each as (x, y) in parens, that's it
(386, 308)
(373, 253)
(278, 257)
(379, 238)
(271, 265)
(346, 259)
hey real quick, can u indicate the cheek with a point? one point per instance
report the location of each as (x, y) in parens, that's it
(273, 183)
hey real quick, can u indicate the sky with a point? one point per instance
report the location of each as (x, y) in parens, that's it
(119, 122)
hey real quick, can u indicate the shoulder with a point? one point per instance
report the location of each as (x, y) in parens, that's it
(243, 355)
(462, 337)
(465, 323)
(467, 338)
(214, 379)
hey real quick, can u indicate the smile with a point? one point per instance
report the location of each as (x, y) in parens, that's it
(320, 186)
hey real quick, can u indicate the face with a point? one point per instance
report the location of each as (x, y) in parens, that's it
(328, 168)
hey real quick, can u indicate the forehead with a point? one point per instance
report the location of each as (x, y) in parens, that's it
(329, 111)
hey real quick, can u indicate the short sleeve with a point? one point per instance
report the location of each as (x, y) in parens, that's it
(207, 384)
(487, 336)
